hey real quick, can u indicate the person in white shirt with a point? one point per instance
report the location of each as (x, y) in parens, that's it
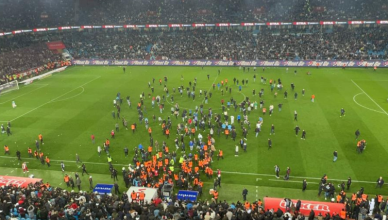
(99, 150)
(24, 167)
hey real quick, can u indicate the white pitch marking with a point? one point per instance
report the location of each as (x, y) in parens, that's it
(52, 100)
(227, 172)
(354, 99)
(23, 94)
(370, 97)
(83, 90)
(292, 181)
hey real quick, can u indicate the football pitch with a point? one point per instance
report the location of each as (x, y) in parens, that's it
(70, 106)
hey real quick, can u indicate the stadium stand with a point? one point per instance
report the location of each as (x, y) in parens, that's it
(31, 14)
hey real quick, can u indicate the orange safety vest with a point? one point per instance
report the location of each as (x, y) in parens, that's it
(29, 150)
(149, 130)
(6, 148)
(220, 153)
(141, 196)
(149, 149)
(66, 179)
(343, 214)
(133, 195)
(215, 195)
(226, 131)
(40, 137)
(247, 205)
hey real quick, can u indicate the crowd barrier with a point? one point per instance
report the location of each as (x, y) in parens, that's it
(45, 75)
(247, 63)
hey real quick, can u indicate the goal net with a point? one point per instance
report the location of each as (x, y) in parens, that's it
(10, 86)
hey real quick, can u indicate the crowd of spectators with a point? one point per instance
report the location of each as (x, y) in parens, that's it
(23, 52)
(41, 201)
(22, 14)
(284, 44)
(16, 60)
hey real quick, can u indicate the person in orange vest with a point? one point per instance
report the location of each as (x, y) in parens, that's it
(379, 199)
(312, 98)
(215, 195)
(36, 154)
(48, 161)
(167, 133)
(40, 136)
(343, 214)
(133, 127)
(29, 152)
(193, 132)
(375, 68)
(247, 205)
(66, 179)
(354, 197)
(150, 131)
(6, 150)
(133, 196)
(220, 154)
(141, 197)
(227, 133)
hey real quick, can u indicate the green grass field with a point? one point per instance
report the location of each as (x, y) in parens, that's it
(70, 106)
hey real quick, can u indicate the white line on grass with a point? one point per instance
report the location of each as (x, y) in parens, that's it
(227, 172)
(369, 97)
(52, 100)
(354, 99)
(291, 181)
(44, 85)
(83, 90)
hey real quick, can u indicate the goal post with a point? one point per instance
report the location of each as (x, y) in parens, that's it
(8, 87)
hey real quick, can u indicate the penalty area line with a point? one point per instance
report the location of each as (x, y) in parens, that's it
(52, 100)
(369, 97)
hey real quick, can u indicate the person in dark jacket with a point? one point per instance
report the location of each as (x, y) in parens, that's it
(311, 215)
(304, 185)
